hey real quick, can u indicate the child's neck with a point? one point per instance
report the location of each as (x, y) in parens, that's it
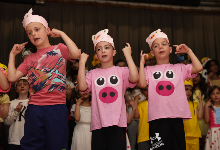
(217, 104)
(214, 77)
(85, 102)
(22, 96)
(164, 61)
(196, 87)
(107, 65)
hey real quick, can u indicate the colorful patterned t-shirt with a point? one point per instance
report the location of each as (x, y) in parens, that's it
(46, 70)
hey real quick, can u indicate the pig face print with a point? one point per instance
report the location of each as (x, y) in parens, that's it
(106, 87)
(164, 86)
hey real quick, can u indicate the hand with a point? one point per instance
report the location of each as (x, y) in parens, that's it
(55, 33)
(137, 98)
(132, 103)
(83, 58)
(209, 83)
(199, 97)
(182, 48)
(79, 101)
(19, 107)
(127, 50)
(142, 59)
(17, 48)
(208, 104)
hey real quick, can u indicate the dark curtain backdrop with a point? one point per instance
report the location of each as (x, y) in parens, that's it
(200, 30)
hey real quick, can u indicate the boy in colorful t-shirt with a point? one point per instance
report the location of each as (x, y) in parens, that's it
(108, 85)
(46, 125)
(167, 99)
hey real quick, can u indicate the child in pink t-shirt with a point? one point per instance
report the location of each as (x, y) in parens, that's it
(167, 98)
(46, 124)
(108, 85)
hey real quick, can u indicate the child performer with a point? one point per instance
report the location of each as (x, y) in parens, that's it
(143, 128)
(82, 114)
(191, 127)
(46, 124)
(167, 98)
(211, 116)
(16, 117)
(108, 85)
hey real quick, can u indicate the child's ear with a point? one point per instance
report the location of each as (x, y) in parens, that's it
(170, 49)
(152, 52)
(48, 30)
(114, 52)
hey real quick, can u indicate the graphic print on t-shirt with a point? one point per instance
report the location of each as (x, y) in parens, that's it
(164, 88)
(48, 73)
(108, 94)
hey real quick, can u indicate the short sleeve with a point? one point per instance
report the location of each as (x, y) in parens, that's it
(5, 99)
(187, 71)
(89, 81)
(126, 82)
(64, 51)
(23, 67)
(146, 75)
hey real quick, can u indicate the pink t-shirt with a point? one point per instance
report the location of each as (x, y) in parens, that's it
(166, 91)
(46, 71)
(108, 87)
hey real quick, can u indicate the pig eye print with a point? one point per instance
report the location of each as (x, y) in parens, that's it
(113, 80)
(169, 74)
(100, 81)
(157, 75)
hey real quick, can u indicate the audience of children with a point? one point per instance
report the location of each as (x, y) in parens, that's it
(143, 128)
(212, 116)
(191, 127)
(101, 123)
(200, 88)
(16, 116)
(82, 114)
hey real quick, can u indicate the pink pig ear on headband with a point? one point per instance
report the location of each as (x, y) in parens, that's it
(154, 35)
(28, 18)
(102, 36)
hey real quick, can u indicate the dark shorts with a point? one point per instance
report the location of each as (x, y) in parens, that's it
(109, 138)
(167, 134)
(46, 127)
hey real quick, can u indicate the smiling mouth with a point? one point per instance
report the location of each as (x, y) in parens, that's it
(104, 56)
(161, 52)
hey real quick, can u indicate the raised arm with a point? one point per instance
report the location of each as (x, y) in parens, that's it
(74, 52)
(13, 73)
(206, 111)
(200, 110)
(133, 73)
(77, 109)
(81, 78)
(182, 48)
(142, 80)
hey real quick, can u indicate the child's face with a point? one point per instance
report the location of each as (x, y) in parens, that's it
(197, 79)
(104, 52)
(161, 49)
(38, 34)
(213, 67)
(75, 65)
(22, 87)
(145, 91)
(188, 89)
(215, 96)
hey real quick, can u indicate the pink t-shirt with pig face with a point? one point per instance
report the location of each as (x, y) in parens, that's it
(108, 87)
(166, 91)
